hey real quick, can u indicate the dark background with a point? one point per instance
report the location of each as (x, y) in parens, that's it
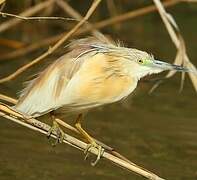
(156, 131)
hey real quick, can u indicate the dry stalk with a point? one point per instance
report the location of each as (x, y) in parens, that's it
(112, 8)
(58, 44)
(8, 99)
(73, 13)
(17, 117)
(4, 14)
(10, 43)
(71, 128)
(99, 25)
(30, 48)
(133, 14)
(190, 1)
(2, 1)
(29, 12)
(181, 57)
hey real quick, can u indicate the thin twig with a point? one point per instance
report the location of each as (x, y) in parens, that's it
(112, 8)
(73, 13)
(68, 126)
(178, 41)
(10, 43)
(2, 1)
(58, 44)
(30, 48)
(2, 5)
(8, 99)
(133, 14)
(99, 25)
(36, 18)
(10, 114)
(29, 12)
(189, 1)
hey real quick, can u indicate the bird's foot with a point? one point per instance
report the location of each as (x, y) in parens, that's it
(100, 152)
(55, 129)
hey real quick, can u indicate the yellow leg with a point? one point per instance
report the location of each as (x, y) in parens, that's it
(82, 131)
(92, 143)
(57, 130)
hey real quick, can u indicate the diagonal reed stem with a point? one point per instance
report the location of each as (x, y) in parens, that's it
(10, 114)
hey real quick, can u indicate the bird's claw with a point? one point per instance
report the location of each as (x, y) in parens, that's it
(55, 129)
(100, 152)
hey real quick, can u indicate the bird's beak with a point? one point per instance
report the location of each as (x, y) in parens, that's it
(167, 66)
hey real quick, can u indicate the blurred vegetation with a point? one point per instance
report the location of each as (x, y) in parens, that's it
(157, 131)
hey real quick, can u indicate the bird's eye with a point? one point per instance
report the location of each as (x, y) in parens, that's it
(140, 61)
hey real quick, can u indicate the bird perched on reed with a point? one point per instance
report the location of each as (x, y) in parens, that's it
(93, 73)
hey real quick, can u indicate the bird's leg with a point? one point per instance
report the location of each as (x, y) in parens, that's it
(57, 130)
(92, 143)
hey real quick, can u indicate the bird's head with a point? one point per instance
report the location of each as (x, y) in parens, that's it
(136, 62)
(142, 64)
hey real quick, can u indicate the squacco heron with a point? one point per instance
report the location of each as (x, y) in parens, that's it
(93, 73)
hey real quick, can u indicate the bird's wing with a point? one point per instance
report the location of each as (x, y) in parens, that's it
(41, 94)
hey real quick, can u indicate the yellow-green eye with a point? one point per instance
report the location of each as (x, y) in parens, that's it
(140, 61)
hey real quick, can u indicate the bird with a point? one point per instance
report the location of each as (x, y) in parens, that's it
(92, 73)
